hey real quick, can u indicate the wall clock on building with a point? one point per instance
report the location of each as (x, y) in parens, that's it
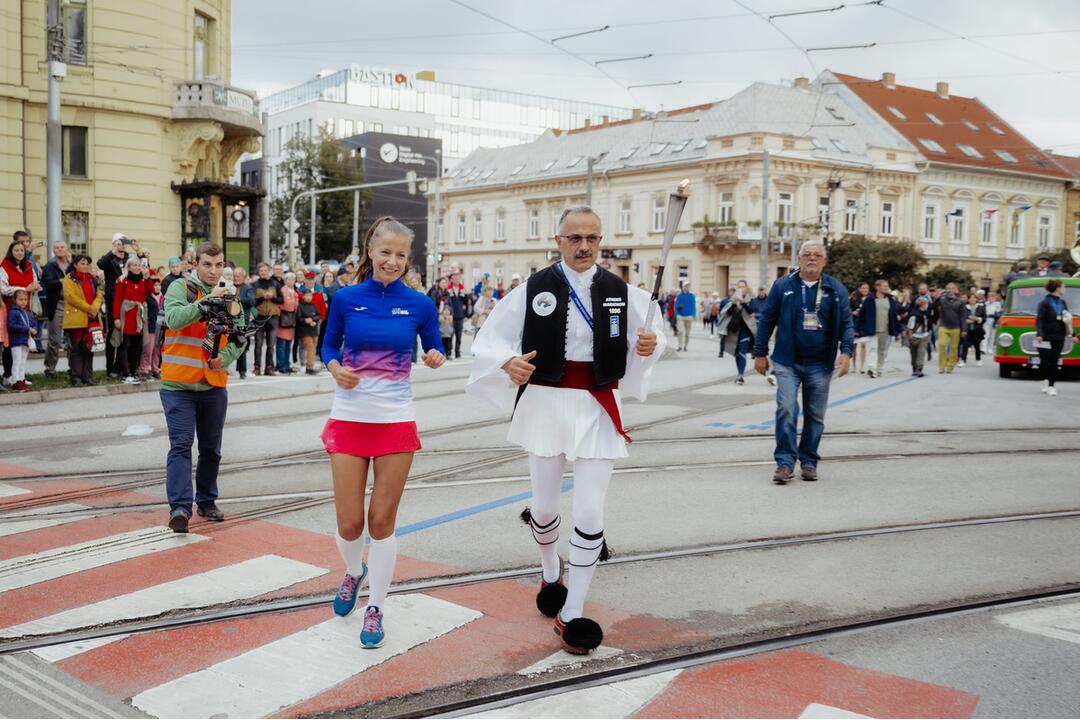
(388, 152)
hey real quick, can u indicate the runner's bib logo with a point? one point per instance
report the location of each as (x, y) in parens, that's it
(544, 304)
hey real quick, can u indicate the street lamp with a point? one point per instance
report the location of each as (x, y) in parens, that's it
(433, 253)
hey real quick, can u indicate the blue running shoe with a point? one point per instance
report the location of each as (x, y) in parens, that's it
(345, 601)
(372, 635)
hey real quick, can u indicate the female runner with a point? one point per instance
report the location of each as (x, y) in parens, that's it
(367, 350)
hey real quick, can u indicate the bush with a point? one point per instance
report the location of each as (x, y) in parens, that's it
(942, 275)
(856, 259)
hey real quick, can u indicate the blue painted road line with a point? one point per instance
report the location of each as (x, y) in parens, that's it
(837, 403)
(473, 510)
(720, 425)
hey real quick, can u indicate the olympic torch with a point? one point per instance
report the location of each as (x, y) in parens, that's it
(675, 207)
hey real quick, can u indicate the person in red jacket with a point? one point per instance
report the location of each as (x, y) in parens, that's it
(16, 273)
(129, 313)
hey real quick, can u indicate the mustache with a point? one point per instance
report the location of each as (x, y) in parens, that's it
(582, 254)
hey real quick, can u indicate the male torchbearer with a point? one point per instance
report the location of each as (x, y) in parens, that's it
(571, 339)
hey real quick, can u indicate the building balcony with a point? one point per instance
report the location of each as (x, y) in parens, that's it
(707, 236)
(236, 110)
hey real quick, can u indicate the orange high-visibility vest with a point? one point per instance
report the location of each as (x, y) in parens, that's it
(183, 357)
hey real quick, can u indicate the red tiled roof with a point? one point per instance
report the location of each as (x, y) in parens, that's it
(1070, 163)
(964, 121)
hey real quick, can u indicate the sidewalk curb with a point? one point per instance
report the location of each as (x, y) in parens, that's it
(35, 397)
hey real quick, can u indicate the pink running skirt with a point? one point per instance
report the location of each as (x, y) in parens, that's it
(369, 440)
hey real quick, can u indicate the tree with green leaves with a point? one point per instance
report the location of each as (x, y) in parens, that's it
(316, 165)
(941, 275)
(856, 259)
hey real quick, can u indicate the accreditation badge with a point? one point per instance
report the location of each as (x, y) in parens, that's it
(614, 325)
(810, 320)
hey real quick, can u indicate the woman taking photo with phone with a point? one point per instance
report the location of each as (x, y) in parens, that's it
(367, 349)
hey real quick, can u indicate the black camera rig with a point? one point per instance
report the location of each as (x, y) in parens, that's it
(221, 315)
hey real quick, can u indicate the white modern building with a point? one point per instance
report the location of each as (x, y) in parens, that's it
(361, 99)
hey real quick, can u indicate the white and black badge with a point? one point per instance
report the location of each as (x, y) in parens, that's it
(544, 304)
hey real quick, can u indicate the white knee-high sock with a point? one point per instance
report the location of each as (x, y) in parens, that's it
(352, 553)
(546, 474)
(382, 555)
(591, 478)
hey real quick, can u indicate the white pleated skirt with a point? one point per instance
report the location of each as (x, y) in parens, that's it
(552, 421)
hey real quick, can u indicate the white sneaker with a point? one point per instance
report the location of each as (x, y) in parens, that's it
(1051, 391)
(1045, 386)
(129, 380)
(978, 363)
(960, 364)
(771, 379)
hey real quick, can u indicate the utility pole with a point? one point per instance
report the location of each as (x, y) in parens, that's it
(264, 204)
(54, 147)
(588, 181)
(764, 257)
(356, 220)
(311, 244)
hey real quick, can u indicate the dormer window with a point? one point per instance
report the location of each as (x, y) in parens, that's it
(628, 153)
(934, 119)
(840, 146)
(969, 151)
(996, 129)
(657, 148)
(897, 114)
(574, 161)
(970, 125)
(1006, 156)
(931, 145)
(548, 165)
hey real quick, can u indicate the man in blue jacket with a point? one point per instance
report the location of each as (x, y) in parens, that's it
(879, 318)
(685, 312)
(812, 317)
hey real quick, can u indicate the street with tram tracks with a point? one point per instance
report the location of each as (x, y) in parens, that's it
(925, 572)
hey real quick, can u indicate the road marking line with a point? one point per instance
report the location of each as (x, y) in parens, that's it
(1061, 622)
(18, 682)
(817, 711)
(56, 653)
(246, 579)
(56, 563)
(10, 490)
(617, 700)
(563, 660)
(62, 689)
(13, 523)
(287, 671)
(33, 696)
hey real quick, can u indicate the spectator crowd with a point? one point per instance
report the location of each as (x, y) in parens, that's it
(76, 306)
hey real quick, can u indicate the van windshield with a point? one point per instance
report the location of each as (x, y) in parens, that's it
(1025, 300)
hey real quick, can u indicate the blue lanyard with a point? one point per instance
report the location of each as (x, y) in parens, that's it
(574, 296)
(817, 296)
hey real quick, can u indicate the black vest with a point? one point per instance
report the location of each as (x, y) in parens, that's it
(545, 328)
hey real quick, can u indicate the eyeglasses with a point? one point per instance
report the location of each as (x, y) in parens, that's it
(591, 239)
(813, 255)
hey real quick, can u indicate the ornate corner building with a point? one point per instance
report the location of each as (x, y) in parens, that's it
(152, 130)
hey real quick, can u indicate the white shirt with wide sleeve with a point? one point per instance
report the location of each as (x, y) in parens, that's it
(560, 421)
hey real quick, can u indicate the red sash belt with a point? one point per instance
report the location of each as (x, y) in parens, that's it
(579, 376)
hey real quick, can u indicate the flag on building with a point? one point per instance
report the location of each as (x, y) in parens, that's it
(957, 213)
(1017, 213)
(989, 212)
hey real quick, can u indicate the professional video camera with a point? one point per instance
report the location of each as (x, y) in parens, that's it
(221, 315)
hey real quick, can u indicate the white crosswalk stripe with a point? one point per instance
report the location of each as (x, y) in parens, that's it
(27, 520)
(1061, 622)
(617, 700)
(247, 579)
(51, 564)
(294, 668)
(11, 490)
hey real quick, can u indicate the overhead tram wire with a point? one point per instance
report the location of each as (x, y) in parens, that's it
(970, 39)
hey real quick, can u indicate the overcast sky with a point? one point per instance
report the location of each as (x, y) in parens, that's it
(1020, 58)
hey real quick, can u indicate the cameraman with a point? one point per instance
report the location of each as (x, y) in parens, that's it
(193, 389)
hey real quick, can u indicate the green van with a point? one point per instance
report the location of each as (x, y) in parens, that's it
(1014, 335)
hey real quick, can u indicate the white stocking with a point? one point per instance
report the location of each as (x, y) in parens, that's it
(591, 478)
(546, 474)
(382, 556)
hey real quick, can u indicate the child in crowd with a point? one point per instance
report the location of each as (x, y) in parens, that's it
(149, 363)
(21, 328)
(446, 324)
(307, 328)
